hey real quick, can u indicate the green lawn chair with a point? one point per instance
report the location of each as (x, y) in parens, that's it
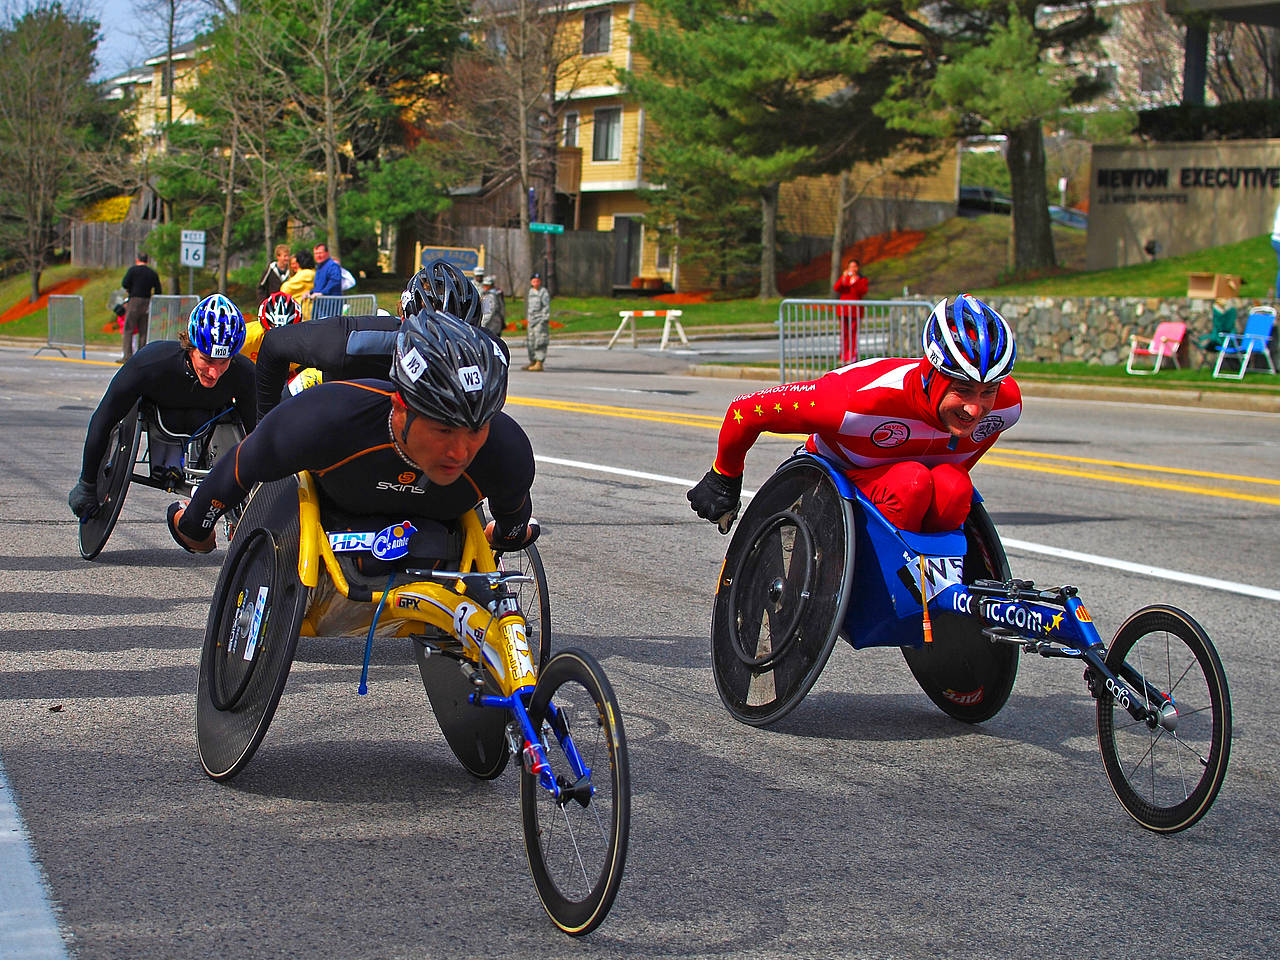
(1224, 323)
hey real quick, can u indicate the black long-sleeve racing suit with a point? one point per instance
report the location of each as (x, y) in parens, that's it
(161, 372)
(340, 432)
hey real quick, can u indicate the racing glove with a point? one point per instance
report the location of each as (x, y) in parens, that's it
(83, 499)
(717, 498)
(516, 539)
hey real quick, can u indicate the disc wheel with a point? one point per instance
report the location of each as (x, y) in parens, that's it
(965, 674)
(1167, 774)
(114, 473)
(782, 593)
(252, 633)
(577, 842)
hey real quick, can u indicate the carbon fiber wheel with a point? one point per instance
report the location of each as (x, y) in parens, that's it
(113, 478)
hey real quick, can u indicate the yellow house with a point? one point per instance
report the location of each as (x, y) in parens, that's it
(608, 131)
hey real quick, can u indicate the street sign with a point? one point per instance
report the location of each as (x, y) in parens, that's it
(546, 228)
(465, 259)
(192, 248)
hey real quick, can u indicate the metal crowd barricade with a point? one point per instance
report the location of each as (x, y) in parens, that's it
(169, 315)
(66, 324)
(809, 332)
(356, 305)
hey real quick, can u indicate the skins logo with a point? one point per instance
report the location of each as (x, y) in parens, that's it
(407, 477)
(987, 427)
(401, 487)
(891, 433)
(964, 699)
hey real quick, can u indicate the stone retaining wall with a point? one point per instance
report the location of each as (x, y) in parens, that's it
(1097, 329)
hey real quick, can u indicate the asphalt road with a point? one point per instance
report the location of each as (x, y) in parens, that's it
(865, 824)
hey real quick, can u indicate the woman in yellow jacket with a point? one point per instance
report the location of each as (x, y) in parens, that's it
(302, 275)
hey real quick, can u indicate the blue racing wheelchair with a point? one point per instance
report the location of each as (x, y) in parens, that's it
(813, 560)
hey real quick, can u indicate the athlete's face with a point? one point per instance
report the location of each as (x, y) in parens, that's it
(965, 404)
(441, 451)
(208, 371)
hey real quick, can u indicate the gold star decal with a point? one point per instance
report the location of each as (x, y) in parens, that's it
(737, 415)
(795, 406)
(1053, 624)
(777, 408)
(759, 411)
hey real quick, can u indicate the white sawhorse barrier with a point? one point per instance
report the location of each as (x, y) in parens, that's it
(672, 318)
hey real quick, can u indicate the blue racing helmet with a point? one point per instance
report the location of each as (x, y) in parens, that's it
(216, 327)
(967, 340)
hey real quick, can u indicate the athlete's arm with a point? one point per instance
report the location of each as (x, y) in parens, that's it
(810, 406)
(123, 391)
(316, 343)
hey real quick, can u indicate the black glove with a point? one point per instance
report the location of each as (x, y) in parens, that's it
(717, 498)
(520, 538)
(83, 499)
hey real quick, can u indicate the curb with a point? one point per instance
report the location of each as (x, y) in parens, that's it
(1202, 399)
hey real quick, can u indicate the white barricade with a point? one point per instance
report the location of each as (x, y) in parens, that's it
(810, 334)
(66, 324)
(671, 319)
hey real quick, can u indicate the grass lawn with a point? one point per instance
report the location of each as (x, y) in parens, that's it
(959, 254)
(1257, 380)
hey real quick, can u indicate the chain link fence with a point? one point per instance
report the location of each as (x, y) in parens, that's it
(169, 315)
(66, 324)
(810, 333)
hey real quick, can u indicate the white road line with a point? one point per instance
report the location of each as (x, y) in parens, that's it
(28, 930)
(1229, 586)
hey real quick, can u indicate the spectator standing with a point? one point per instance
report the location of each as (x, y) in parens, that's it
(328, 280)
(140, 283)
(1275, 245)
(850, 285)
(301, 278)
(537, 314)
(277, 272)
(493, 307)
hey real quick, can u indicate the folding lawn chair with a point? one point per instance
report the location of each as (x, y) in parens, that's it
(1255, 341)
(1165, 343)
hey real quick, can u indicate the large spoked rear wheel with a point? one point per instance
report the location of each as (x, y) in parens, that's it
(1166, 777)
(965, 674)
(252, 633)
(577, 843)
(782, 593)
(113, 483)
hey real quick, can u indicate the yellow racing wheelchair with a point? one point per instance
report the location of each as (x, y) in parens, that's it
(481, 629)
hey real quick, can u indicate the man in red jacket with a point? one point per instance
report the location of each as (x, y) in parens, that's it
(906, 431)
(850, 285)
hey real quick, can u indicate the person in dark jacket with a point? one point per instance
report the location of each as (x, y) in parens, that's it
(140, 283)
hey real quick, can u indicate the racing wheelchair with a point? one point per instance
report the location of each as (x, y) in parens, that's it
(170, 460)
(493, 685)
(813, 560)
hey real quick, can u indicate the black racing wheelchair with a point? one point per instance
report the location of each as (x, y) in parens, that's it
(813, 560)
(169, 460)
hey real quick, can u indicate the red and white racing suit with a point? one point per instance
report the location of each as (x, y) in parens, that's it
(879, 420)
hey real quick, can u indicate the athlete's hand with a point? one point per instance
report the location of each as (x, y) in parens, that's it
(83, 499)
(174, 517)
(520, 540)
(717, 498)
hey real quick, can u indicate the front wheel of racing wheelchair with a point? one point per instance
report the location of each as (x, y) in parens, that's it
(802, 567)
(114, 474)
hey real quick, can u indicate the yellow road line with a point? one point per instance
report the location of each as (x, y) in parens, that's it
(1008, 457)
(100, 363)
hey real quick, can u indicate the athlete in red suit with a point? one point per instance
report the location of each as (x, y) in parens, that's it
(906, 431)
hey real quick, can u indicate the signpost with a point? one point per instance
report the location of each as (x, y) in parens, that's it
(546, 228)
(192, 255)
(465, 259)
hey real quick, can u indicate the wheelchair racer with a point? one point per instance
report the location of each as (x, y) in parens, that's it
(906, 431)
(432, 443)
(278, 310)
(190, 380)
(353, 348)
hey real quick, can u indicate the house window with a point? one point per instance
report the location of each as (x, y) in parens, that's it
(571, 129)
(606, 141)
(664, 257)
(1149, 78)
(597, 30)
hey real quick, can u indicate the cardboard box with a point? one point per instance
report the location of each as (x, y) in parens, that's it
(1212, 286)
